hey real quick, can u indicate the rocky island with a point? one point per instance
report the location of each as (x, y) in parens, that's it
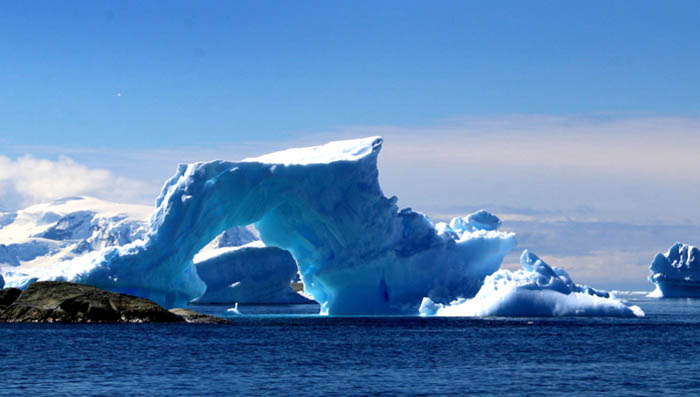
(56, 301)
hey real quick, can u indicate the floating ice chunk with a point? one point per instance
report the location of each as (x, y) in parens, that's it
(676, 273)
(539, 290)
(234, 309)
(484, 220)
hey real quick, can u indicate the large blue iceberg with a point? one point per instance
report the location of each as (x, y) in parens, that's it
(677, 273)
(538, 290)
(356, 252)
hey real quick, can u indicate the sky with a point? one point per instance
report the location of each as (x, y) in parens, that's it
(562, 117)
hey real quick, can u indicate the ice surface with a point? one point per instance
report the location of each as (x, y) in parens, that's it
(251, 273)
(355, 251)
(676, 273)
(2, 282)
(539, 290)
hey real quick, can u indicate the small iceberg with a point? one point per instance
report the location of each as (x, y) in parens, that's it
(538, 290)
(676, 274)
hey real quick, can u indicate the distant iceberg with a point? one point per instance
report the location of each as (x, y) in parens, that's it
(677, 273)
(538, 290)
(356, 252)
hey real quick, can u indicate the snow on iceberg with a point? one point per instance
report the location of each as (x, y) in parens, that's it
(539, 290)
(355, 251)
(676, 273)
(251, 273)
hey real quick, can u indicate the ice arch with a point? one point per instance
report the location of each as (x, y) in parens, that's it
(356, 252)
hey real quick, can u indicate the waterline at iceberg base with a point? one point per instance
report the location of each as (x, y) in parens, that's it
(357, 253)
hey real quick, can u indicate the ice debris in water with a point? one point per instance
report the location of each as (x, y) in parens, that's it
(234, 309)
(538, 290)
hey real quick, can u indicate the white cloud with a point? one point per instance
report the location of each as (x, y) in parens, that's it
(29, 180)
(633, 168)
(654, 147)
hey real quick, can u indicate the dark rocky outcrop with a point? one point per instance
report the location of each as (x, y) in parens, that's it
(8, 296)
(194, 317)
(52, 301)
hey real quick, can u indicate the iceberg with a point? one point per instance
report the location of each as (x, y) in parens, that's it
(250, 273)
(676, 274)
(538, 290)
(355, 251)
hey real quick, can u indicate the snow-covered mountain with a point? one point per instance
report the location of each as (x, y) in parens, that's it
(44, 234)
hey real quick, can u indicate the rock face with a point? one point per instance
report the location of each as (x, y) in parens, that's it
(194, 317)
(53, 301)
(7, 296)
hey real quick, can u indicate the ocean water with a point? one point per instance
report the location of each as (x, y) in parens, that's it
(289, 350)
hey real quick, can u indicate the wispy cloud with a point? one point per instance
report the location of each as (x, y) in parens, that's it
(659, 147)
(29, 180)
(626, 167)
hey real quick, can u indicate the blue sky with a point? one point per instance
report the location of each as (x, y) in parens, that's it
(203, 73)
(545, 112)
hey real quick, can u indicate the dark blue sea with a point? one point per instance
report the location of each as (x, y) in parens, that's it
(289, 350)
